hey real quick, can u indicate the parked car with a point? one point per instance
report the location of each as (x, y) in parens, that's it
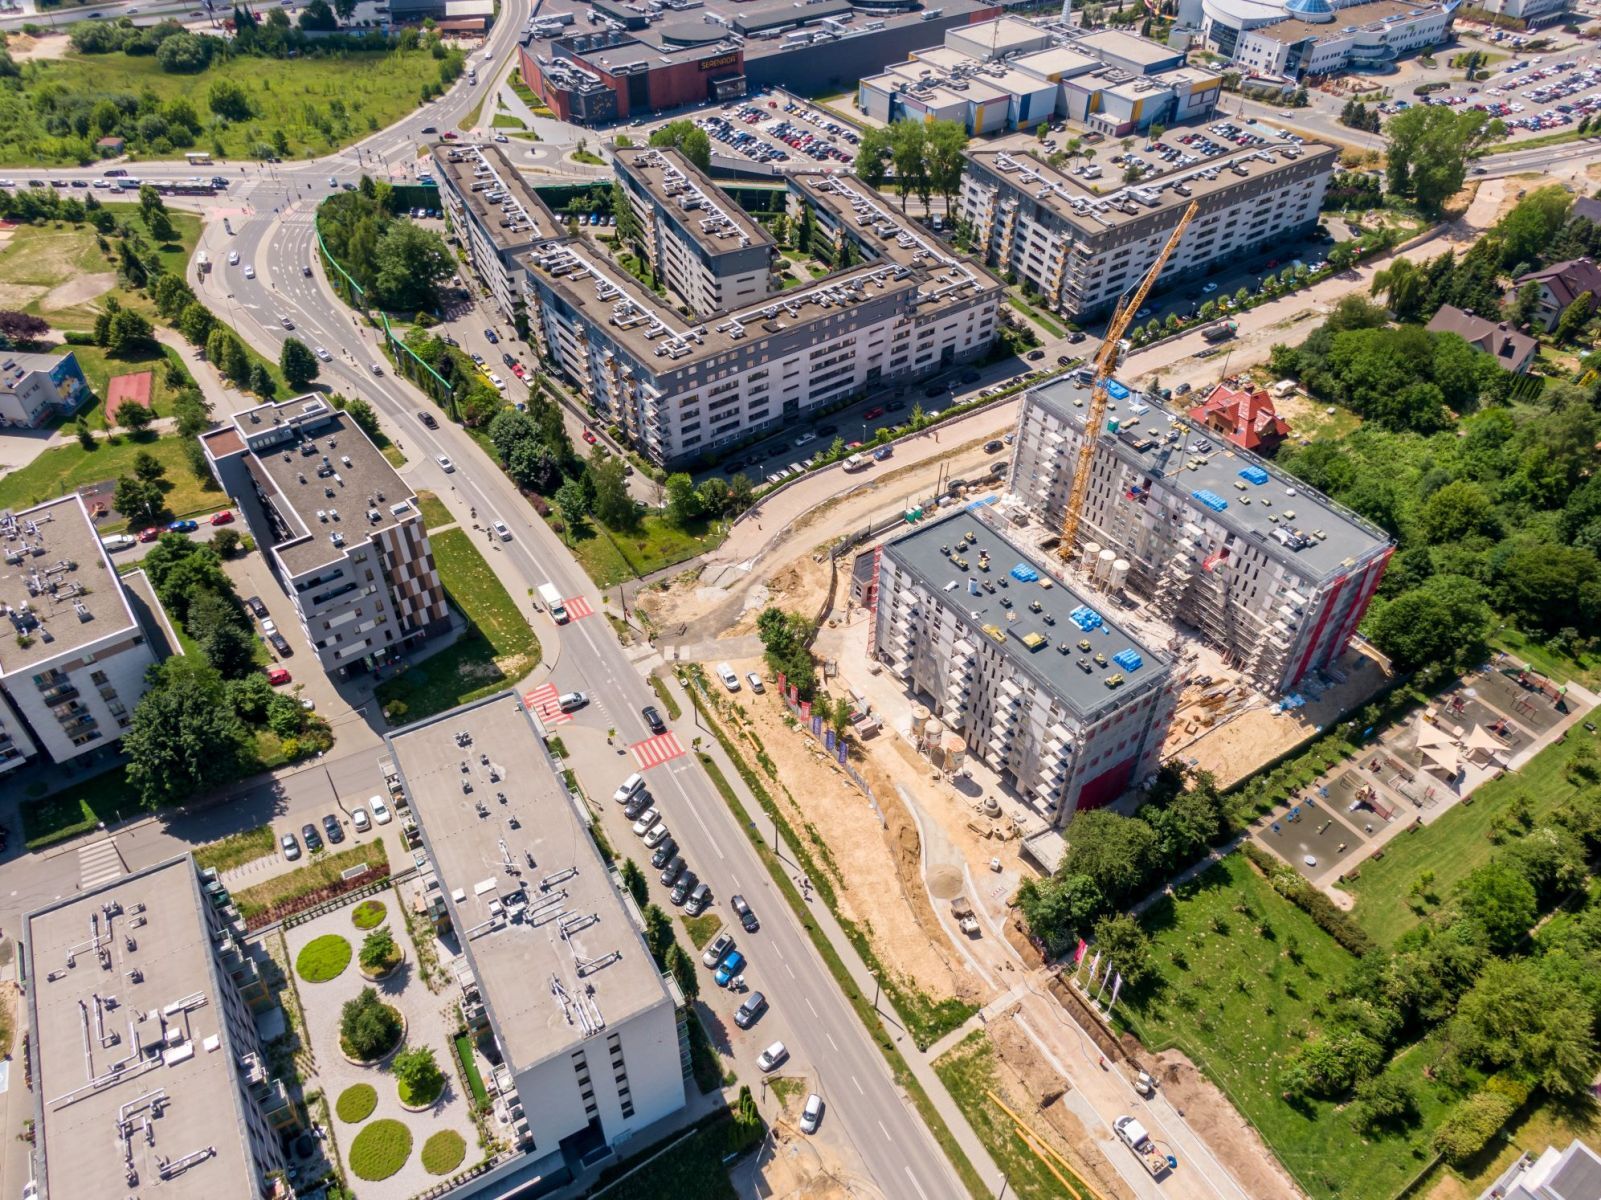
(380, 810)
(720, 946)
(277, 676)
(746, 917)
(699, 898)
(812, 1115)
(664, 853)
(682, 888)
(256, 607)
(183, 527)
(332, 828)
(773, 1057)
(732, 965)
(755, 681)
(653, 719)
(674, 868)
(290, 847)
(359, 819)
(313, 839)
(628, 788)
(225, 517)
(726, 674)
(572, 701)
(119, 541)
(277, 641)
(750, 1011)
(646, 819)
(490, 335)
(656, 836)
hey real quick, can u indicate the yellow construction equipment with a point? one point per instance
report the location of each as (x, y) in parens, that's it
(1045, 1153)
(1105, 363)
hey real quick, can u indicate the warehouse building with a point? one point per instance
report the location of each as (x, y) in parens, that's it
(1273, 574)
(688, 389)
(591, 1043)
(341, 531)
(82, 636)
(147, 1074)
(597, 78)
(1083, 241)
(701, 244)
(1297, 38)
(1042, 683)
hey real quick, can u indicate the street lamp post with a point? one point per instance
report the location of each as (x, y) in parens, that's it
(875, 990)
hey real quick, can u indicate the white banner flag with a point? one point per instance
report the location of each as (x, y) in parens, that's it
(1117, 985)
(1095, 965)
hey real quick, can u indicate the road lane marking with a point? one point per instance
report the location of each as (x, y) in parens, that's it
(858, 1084)
(831, 1042)
(890, 1140)
(814, 1011)
(791, 970)
(915, 1184)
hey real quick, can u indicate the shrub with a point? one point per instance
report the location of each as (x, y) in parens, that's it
(369, 914)
(1292, 885)
(442, 1153)
(379, 954)
(380, 1150)
(356, 1103)
(368, 1028)
(1469, 1126)
(323, 958)
(418, 1075)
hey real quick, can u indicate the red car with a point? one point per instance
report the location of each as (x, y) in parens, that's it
(277, 676)
(589, 435)
(225, 517)
(449, 135)
(517, 370)
(872, 414)
(149, 535)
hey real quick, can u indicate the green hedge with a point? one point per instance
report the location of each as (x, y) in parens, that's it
(1469, 1126)
(1293, 886)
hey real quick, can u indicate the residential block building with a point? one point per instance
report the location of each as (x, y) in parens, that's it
(702, 245)
(1571, 1174)
(36, 389)
(1272, 573)
(81, 636)
(554, 968)
(148, 1077)
(1082, 244)
(342, 532)
(1044, 684)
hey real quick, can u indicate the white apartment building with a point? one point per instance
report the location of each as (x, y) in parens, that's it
(554, 965)
(497, 216)
(1044, 685)
(147, 1074)
(704, 247)
(81, 637)
(686, 390)
(38, 388)
(1271, 572)
(341, 530)
(1297, 38)
(1083, 239)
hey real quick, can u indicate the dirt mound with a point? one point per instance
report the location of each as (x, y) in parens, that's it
(944, 882)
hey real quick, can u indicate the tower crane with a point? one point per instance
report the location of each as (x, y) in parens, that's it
(1105, 363)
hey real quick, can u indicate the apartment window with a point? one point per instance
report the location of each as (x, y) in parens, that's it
(98, 678)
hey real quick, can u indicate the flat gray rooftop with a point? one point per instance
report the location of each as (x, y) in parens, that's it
(1129, 47)
(519, 868)
(170, 1039)
(326, 479)
(1167, 445)
(999, 608)
(702, 209)
(1097, 206)
(515, 221)
(57, 584)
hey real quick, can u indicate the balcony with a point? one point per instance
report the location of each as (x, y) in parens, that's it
(60, 694)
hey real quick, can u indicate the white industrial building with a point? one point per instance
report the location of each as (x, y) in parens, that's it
(1297, 38)
(1040, 681)
(588, 1032)
(1273, 574)
(81, 636)
(1082, 240)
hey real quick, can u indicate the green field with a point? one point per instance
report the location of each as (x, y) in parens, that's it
(64, 469)
(1456, 843)
(1231, 996)
(611, 557)
(295, 96)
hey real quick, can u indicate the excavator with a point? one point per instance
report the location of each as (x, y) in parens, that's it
(1105, 364)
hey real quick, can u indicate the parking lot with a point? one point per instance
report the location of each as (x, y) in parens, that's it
(1539, 94)
(771, 132)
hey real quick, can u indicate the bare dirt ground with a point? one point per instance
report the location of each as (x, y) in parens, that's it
(800, 1168)
(31, 49)
(79, 290)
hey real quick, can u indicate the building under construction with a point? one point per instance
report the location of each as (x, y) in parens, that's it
(1272, 574)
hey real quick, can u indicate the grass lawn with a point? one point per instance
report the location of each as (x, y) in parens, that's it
(295, 95)
(369, 914)
(507, 121)
(380, 1150)
(323, 958)
(356, 1103)
(237, 849)
(1551, 663)
(1546, 1123)
(701, 928)
(611, 557)
(669, 701)
(499, 646)
(434, 513)
(587, 157)
(442, 1153)
(78, 809)
(1037, 315)
(693, 1167)
(968, 1071)
(323, 870)
(98, 368)
(65, 469)
(469, 1069)
(1229, 995)
(1456, 843)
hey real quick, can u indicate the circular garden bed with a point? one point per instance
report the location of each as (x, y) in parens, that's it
(380, 1150)
(442, 1153)
(369, 914)
(356, 1103)
(423, 1098)
(323, 958)
(367, 1023)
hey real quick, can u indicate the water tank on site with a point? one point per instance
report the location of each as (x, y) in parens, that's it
(1103, 563)
(952, 752)
(1092, 551)
(1119, 574)
(919, 720)
(932, 732)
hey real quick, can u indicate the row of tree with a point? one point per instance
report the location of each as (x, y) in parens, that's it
(926, 157)
(398, 265)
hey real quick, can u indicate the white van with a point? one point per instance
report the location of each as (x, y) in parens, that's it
(628, 788)
(726, 674)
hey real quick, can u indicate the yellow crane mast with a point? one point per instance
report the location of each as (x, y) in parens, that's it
(1105, 364)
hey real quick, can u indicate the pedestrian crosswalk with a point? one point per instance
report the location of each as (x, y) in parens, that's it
(654, 751)
(578, 607)
(544, 700)
(99, 862)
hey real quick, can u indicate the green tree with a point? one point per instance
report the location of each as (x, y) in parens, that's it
(228, 100)
(688, 139)
(1060, 908)
(1124, 946)
(378, 951)
(1384, 1102)
(944, 143)
(1549, 587)
(141, 502)
(683, 501)
(1575, 317)
(410, 263)
(682, 967)
(785, 644)
(134, 417)
(1529, 229)
(634, 881)
(195, 323)
(86, 439)
(908, 146)
(1525, 306)
(416, 1069)
(185, 738)
(658, 933)
(1402, 283)
(613, 505)
(1519, 1018)
(128, 334)
(298, 363)
(872, 156)
(1446, 620)
(1429, 149)
(1501, 901)
(367, 1026)
(1458, 510)
(573, 504)
(148, 467)
(1114, 852)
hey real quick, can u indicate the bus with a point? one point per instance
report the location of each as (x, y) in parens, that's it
(198, 158)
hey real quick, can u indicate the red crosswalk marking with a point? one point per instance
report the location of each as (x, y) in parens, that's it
(578, 607)
(654, 751)
(544, 701)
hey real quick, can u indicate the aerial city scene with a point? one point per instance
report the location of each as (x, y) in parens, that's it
(786, 599)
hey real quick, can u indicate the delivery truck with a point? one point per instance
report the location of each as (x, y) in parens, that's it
(1133, 1136)
(553, 602)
